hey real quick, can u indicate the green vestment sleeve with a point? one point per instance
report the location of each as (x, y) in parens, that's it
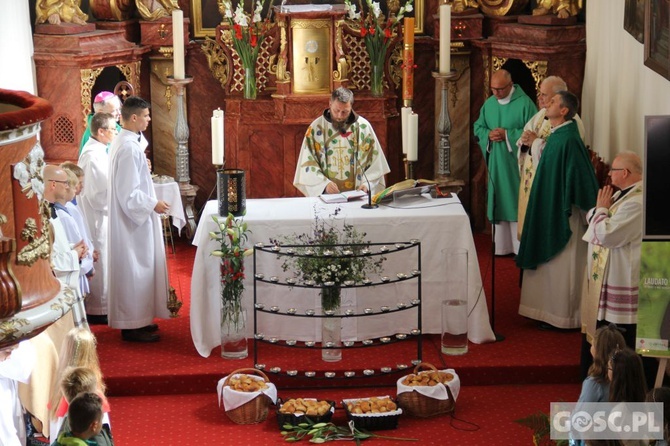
(564, 178)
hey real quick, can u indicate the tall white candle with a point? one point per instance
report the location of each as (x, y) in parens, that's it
(445, 39)
(404, 113)
(413, 137)
(178, 43)
(217, 137)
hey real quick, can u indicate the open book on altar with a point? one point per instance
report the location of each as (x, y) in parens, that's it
(343, 197)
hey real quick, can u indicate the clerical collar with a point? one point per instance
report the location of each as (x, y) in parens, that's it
(623, 192)
(553, 129)
(507, 99)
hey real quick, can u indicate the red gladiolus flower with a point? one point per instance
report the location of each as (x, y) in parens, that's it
(364, 31)
(387, 33)
(238, 31)
(372, 30)
(254, 40)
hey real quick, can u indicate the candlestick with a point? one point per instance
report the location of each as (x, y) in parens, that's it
(408, 62)
(217, 137)
(178, 43)
(445, 39)
(181, 134)
(412, 137)
(443, 127)
(404, 113)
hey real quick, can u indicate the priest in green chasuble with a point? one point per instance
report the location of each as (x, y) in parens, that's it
(552, 253)
(340, 152)
(499, 126)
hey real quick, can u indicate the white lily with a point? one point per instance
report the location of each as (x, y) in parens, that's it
(257, 12)
(376, 9)
(240, 17)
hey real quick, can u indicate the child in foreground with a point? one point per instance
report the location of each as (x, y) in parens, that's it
(85, 418)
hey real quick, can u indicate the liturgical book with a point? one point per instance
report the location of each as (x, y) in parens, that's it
(343, 197)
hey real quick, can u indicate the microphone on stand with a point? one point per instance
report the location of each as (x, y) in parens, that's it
(369, 204)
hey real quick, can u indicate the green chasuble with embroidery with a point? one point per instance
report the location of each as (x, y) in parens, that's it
(328, 154)
(501, 156)
(564, 178)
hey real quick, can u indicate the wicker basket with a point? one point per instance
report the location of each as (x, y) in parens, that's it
(418, 405)
(254, 411)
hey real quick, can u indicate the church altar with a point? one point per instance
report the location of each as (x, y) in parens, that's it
(438, 224)
(309, 51)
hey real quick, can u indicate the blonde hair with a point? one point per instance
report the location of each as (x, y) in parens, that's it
(72, 167)
(78, 350)
(72, 179)
(77, 380)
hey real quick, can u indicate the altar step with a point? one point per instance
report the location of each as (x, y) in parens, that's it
(157, 369)
(484, 415)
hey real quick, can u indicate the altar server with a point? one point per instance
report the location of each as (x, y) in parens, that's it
(138, 283)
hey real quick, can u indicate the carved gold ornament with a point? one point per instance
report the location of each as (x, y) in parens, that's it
(131, 71)
(217, 61)
(502, 7)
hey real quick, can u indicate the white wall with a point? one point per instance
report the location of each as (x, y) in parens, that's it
(619, 90)
(16, 47)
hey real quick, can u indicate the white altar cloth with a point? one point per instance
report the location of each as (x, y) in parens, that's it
(438, 223)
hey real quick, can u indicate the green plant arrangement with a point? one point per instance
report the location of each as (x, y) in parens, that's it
(539, 424)
(323, 432)
(330, 256)
(231, 237)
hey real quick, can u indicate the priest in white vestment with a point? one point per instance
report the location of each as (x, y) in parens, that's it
(340, 152)
(92, 201)
(138, 282)
(615, 243)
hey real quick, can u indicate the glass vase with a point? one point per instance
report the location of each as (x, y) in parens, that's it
(233, 333)
(250, 83)
(331, 326)
(377, 78)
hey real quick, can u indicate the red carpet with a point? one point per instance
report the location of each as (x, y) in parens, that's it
(165, 393)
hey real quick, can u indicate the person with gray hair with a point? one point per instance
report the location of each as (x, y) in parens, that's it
(533, 139)
(552, 254)
(104, 102)
(614, 236)
(340, 152)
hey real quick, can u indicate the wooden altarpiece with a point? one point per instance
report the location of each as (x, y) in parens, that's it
(307, 54)
(67, 65)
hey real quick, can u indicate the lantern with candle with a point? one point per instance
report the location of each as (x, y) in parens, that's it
(249, 32)
(378, 32)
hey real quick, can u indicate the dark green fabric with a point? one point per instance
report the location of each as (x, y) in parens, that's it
(564, 177)
(503, 167)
